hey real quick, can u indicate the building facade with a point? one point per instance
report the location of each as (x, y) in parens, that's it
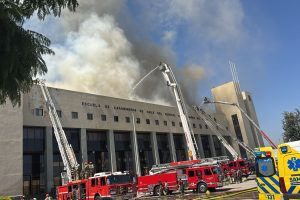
(115, 134)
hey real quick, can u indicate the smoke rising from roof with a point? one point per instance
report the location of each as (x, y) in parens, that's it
(103, 52)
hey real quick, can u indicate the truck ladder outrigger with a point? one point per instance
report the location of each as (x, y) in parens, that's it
(207, 120)
(168, 75)
(66, 151)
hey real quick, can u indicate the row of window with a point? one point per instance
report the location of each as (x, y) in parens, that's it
(90, 116)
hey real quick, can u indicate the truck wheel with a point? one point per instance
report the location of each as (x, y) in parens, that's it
(97, 197)
(202, 187)
(156, 190)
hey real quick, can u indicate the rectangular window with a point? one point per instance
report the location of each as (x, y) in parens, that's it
(147, 121)
(103, 117)
(58, 112)
(180, 124)
(156, 122)
(38, 112)
(74, 115)
(207, 172)
(165, 123)
(138, 120)
(200, 126)
(173, 123)
(89, 116)
(116, 118)
(127, 119)
(265, 167)
(102, 181)
(206, 126)
(194, 125)
(191, 173)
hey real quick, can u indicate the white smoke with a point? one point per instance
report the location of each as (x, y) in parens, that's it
(101, 49)
(96, 59)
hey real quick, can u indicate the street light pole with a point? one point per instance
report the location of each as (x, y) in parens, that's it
(207, 101)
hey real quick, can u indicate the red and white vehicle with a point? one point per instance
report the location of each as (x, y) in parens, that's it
(108, 185)
(197, 175)
(204, 177)
(240, 164)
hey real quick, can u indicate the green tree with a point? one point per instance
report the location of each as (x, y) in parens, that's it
(291, 126)
(21, 50)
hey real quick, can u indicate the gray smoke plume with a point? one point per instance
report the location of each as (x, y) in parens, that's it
(104, 52)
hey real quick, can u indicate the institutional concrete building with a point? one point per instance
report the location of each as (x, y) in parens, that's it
(101, 130)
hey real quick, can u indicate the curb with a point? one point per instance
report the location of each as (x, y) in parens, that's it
(229, 194)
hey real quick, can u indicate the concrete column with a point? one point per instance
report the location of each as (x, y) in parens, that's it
(112, 150)
(83, 145)
(212, 146)
(200, 146)
(154, 148)
(135, 153)
(49, 158)
(172, 147)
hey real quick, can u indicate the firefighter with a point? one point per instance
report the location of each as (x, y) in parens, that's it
(239, 175)
(161, 188)
(181, 186)
(48, 197)
(166, 186)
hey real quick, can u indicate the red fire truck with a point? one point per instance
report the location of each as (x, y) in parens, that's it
(196, 175)
(240, 164)
(106, 184)
(203, 178)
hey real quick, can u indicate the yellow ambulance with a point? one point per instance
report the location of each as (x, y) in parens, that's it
(267, 174)
(278, 171)
(289, 169)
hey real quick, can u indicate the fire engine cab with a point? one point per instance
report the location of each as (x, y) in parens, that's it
(240, 164)
(106, 184)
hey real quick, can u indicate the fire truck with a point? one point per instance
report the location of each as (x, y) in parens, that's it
(101, 185)
(80, 182)
(197, 175)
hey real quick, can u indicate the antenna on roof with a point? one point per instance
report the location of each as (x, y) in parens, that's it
(235, 78)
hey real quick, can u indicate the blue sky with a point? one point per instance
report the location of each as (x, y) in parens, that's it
(261, 37)
(267, 58)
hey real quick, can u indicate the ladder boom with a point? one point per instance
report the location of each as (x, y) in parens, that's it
(188, 131)
(68, 156)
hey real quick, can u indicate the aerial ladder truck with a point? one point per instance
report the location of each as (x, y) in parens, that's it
(66, 151)
(169, 77)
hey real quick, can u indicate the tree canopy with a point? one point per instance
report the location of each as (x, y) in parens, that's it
(291, 126)
(21, 50)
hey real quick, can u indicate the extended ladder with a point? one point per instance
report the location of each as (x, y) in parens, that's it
(66, 151)
(161, 168)
(207, 120)
(242, 144)
(188, 131)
